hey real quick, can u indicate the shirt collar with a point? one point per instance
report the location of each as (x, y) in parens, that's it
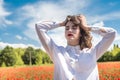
(76, 47)
(73, 47)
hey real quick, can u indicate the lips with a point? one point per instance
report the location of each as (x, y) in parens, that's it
(70, 34)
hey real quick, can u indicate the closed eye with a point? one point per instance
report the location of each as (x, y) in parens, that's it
(74, 27)
(66, 27)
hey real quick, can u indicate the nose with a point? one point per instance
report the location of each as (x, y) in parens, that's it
(70, 30)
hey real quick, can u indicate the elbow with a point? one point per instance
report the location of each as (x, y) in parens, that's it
(111, 34)
(114, 33)
(36, 25)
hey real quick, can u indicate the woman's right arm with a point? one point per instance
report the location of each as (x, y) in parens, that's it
(49, 45)
(47, 42)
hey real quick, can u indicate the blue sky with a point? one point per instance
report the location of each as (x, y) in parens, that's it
(18, 17)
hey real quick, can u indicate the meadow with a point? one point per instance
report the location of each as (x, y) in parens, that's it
(107, 71)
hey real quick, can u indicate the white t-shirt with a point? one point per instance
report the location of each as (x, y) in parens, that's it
(70, 62)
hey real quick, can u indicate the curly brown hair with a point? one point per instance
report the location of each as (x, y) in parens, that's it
(85, 38)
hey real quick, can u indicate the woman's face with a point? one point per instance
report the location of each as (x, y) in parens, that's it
(72, 32)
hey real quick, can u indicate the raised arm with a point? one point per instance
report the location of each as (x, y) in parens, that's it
(50, 46)
(108, 35)
(47, 42)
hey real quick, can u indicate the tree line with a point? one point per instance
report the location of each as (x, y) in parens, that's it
(112, 55)
(23, 56)
(29, 56)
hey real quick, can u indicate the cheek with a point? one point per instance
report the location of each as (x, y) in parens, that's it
(78, 33)
(65, 34)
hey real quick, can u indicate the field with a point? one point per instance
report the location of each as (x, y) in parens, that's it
(107, 71)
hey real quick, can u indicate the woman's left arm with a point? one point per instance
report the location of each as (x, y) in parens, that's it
(108, 36)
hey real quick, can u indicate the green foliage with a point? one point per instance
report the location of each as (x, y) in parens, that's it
(115, 50)
(39, 56)
(113, 55)
(8, 56)
(19, 61)
(106, 57)
(46, 59)
(18, 56)
(19, 52)
(3, 64)
(1, 59)
(29, 56)
(117, 58)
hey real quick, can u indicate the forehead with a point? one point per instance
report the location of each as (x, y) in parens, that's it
(69, 23)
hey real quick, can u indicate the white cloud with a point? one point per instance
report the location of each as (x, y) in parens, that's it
(3, 45)
(49, 11)
(108, 16)
(31, 33)
(117, 37)
(3, 15)
(59, 38)
(97, 38)
(76, 5)
(58, 12)
(21, 38)
(101, 24)
(18, 37)
(24, 38)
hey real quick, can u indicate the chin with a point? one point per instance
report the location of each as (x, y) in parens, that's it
(70, 39)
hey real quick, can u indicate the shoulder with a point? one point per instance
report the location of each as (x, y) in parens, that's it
(89, 50)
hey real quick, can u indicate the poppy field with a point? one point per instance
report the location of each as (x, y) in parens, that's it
(107, 71)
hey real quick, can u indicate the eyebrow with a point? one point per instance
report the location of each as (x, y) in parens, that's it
(66, 26)
(75, 25)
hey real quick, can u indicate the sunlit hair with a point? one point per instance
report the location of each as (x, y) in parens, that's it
(85, 37)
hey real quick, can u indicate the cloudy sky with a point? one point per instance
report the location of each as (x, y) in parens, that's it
(18, 17)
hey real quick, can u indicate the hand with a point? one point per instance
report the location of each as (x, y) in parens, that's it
(82, 19)
(83, 22)
(63, 23)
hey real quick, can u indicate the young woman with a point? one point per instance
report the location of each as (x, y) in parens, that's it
(78, 60)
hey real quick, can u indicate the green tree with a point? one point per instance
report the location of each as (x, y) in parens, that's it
(39, 54)
(46, 59)
(19, 52)
(113, 55)
(29, 56)
(115, 50)
(8, 56)
(118, 57)
(1, 60)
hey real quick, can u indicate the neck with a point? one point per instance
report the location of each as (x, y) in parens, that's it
(73, 43)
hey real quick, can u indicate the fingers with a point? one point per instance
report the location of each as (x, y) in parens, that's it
(65, 21)
(77, 20)
(82, 17)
